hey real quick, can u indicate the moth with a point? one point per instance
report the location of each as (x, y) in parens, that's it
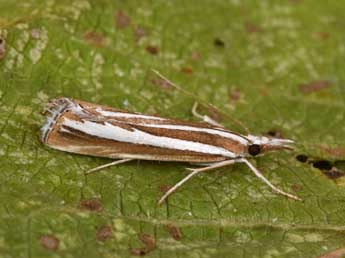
(85, 128)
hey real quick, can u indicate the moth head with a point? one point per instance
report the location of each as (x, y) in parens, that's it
(261, 144)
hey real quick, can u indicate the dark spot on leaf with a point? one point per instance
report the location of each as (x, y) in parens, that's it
(139, 33)
(164, 84)
(302, 158)
(218, 42)
(122, 20)
(275, 133)
(49, 242)
(235, 95)
(252, 28)
(104, 233)
(187, 70)
(334, 173)
(322, 164)
(331, 169)
(92, 204)
(149, 245)
(2, 48)
(153, 50)
(328, 168)
(94, 38)
(336, 152)
(314, 86)
(174, 231)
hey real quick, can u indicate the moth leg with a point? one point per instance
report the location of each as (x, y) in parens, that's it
(116, 162)
(195, 171)
(205, 118)
(259, 175)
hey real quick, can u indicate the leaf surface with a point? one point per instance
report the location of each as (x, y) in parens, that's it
(277, 66)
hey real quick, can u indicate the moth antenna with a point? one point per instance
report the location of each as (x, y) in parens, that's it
(203, 102)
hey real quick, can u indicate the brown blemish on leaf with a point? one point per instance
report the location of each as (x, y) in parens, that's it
(218, 42)
(139, 33)
(2, 48)
(153, 50)
(94, 38)
(314, 86)
(339, 253)
(104, 233)
(149, 245)
(163, 84)
(252, 28)
(336, 152)
(187, 70)
(49, 242)
(174, 231)
(93, 204)
(121, 20)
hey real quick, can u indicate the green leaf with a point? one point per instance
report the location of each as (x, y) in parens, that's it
(277, 66)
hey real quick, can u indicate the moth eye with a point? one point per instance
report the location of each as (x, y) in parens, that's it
(254, 149)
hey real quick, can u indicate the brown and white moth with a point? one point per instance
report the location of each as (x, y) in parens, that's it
(86, 128)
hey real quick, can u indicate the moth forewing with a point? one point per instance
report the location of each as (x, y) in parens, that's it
(90, 129)
(85, 128)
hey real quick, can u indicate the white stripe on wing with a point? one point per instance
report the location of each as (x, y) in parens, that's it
(112, 132)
